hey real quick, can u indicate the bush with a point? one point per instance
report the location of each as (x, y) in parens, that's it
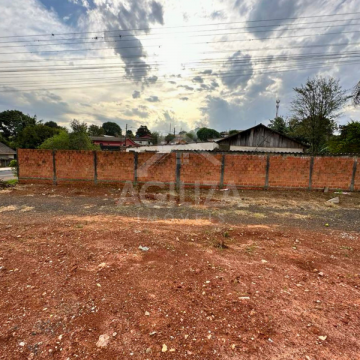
(14, 165)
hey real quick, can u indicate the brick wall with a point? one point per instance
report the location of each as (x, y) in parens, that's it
(289, 171)
(204, 168)
(115, 166)
(243, 170)
(74, 165)
(36, 164)
(334, 172)
(156, 167)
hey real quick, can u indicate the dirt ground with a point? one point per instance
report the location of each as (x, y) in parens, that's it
(252, 275)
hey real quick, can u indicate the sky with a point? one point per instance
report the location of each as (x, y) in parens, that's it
(183, 64)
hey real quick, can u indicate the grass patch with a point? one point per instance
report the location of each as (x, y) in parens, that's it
(12, 182)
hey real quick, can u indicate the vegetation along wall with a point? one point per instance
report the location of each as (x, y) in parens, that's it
(219, 169)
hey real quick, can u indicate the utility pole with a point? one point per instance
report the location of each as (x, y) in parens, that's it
(125, 135)
(174, 130)
(277, 107)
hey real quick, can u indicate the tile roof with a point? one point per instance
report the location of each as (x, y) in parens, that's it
(5, 150)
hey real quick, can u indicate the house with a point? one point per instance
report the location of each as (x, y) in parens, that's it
(6, 155)
(260, 138)
(113, 143)
(144, 140)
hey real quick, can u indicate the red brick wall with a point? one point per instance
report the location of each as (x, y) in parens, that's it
(36, 163)
(202, 167)
(205, 168)
(156, 167)
(245, 170)
(334, 172)
(117, 166)
(289, 171)
(71, 165)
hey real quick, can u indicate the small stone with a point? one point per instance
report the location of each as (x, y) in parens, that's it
(22, 344)
(147, 313)
(172, 350)
(322, 338)
(152, 333)
(264, 261)
(321, 273)
(186, 336)
(335, 200)
(148, 350)
(233, 346)
(244, 298)
(60, 337)
(102, 265)
(164, 348)
(98, 285)
(103, 341)
(114, 334)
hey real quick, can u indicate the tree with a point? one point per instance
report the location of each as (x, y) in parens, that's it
(78, 126)
(356, 94)
(60, 141)
(232, 132)
(130, 134)
(155, 137)
(142, 131)
(31, 137)
(315, 109)
(205, 133)
(13, 121)
(112, 129)
(95, 130)
(80, 141)
(169, 138)
(52, 124)
(191, 136)
(348, 141)
(279, 124)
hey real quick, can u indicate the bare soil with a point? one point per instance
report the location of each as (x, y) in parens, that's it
(263, 275)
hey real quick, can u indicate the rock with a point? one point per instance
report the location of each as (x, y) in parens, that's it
(322, 338)
(172, 350)
(22, 344)
(103, 341)
(264, 261)
(153, 333)
(335, 200)
(148, 350)
(147, 313)
(144, 248)
(321, 273)
(164, 348)
(102, 265)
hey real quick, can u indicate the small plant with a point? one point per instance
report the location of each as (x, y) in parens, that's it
(14, 166)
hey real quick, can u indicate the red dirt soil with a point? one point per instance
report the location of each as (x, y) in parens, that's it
(274, 293)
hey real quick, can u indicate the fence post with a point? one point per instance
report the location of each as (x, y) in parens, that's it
(135, 167)
(18, 165)
(311, 172)
(54, 167)
(222, 171)
(267, 172)
(95, 167)
(178, 169)
(353, 175)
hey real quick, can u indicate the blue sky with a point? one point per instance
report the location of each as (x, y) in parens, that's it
(192, 63)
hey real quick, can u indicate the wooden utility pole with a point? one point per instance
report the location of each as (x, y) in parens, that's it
(125, 135)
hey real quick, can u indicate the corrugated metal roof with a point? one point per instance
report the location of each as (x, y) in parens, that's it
(5, 150)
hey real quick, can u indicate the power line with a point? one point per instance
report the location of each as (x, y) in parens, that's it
(182, 26)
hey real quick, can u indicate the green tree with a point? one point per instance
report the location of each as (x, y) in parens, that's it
(80, 141)
(155, 137)
(31, 137)
(78, 126)
(315, 109)
(232, 132)
(52, 124)
(205, 133)
(95, 130)
(279, 124)
(112, 129)
(191, 135)
(13, 121)
(60, 141)
(142, 131)
(348, 141)
(130, 134)
(169, 138)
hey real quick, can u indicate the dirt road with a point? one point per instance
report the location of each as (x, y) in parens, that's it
(265, 275)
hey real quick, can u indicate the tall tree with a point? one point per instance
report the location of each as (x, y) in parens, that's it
(52, 124)
(112, 129)
(204, 134)
(142, 131)
(169, 138)
(78, 126)
(315, 109)
(13, 121)
(279, 124)
(33, 136)
(95, 130)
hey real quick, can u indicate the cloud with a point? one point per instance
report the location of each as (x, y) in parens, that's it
(186, 87)
(207, 72)
(137, 14)
(198, 79)
(152, 79)
(184, 98)
(234, 76)
(153, 98)
(136, 94)
(217, 15)
(137, 112)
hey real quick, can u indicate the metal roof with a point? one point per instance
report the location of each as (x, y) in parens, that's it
(107, 138)
(5, 150)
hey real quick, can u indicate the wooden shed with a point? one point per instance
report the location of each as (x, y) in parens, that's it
(260, 138)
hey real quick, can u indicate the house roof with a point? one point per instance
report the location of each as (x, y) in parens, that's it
(107, 138)
(5, 150)
(257, 126)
